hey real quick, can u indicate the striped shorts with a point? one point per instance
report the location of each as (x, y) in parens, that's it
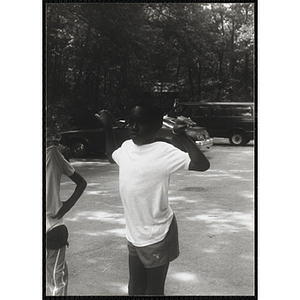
(57, 272)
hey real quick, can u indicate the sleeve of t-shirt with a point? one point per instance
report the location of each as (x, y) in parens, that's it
(176, 159)
(66, 167)
(116, 156)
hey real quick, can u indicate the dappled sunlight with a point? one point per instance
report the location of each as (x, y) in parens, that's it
(177, 198)
(94, 184)
(219, 176)
(217, 171)
(104, 193)
(197, 189)
(222, 221)
(105, 217)
(123, 288)
(245, 179)
(74, 219)
(173, 199)
(241, 171)
(67, 183)
(102, 216)
(118, 232)
(184, 276)
(89, 163)
(192, 201)
(122, 246)
(247, 256)
(209, 250)
(248, 195)
(95, 233)
(223, 228)
(92, 260)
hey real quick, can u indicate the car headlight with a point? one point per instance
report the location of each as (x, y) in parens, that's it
(200, 136)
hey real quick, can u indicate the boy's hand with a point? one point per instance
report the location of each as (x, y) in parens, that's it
(181, 123)
(61, 212)
(105, 117)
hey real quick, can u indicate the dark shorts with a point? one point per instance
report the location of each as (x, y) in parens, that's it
(160, 253)
(57, 237)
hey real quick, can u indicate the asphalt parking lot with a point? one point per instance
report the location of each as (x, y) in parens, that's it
(215, 215)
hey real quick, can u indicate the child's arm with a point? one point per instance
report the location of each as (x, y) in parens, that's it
(105, 118)
(198, 160)
(80, 187)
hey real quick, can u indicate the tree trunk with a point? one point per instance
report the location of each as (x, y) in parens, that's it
(177, 75)
(246, 76)
(97, 84)
(220, 83)
(81, 62)
(232, 63)
(199, 78)
(191, 81)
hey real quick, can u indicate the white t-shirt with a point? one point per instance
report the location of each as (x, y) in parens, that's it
(144, 175)
(56, 165)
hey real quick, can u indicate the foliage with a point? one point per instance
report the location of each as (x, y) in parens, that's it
(108, 55)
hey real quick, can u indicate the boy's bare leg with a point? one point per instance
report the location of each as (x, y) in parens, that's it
(156, 278)
(137, 277)
(146, 281)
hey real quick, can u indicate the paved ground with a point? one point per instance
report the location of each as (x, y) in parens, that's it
(215, 215)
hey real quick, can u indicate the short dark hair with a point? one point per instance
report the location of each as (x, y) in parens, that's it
(154, 113)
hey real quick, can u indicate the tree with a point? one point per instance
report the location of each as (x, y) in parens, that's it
(108, 55)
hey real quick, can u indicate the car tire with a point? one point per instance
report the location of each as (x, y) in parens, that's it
(79, 148)
(237, 138)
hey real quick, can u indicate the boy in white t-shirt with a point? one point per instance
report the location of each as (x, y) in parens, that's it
(56, 231)
(145, 166)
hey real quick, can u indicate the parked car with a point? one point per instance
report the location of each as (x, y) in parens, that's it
(198, 134)
(84, 141)
(232, 120)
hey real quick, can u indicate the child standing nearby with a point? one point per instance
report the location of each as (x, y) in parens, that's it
(56, 231)
(145, 166)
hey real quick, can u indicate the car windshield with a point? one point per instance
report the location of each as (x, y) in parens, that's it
(176, 111)
(120, 123)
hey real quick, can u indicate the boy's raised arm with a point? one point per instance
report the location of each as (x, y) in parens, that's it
(198, 160)
(105, 118)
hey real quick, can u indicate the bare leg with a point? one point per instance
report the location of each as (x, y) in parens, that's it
(156, 278)
(137, 277)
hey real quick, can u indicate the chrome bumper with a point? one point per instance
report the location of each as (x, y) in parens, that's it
(205, 144)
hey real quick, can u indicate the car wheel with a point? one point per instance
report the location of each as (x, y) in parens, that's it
(237, 138)
(79, 149)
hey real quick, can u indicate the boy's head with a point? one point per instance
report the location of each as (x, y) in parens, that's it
(144, 121)
(52, 135)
